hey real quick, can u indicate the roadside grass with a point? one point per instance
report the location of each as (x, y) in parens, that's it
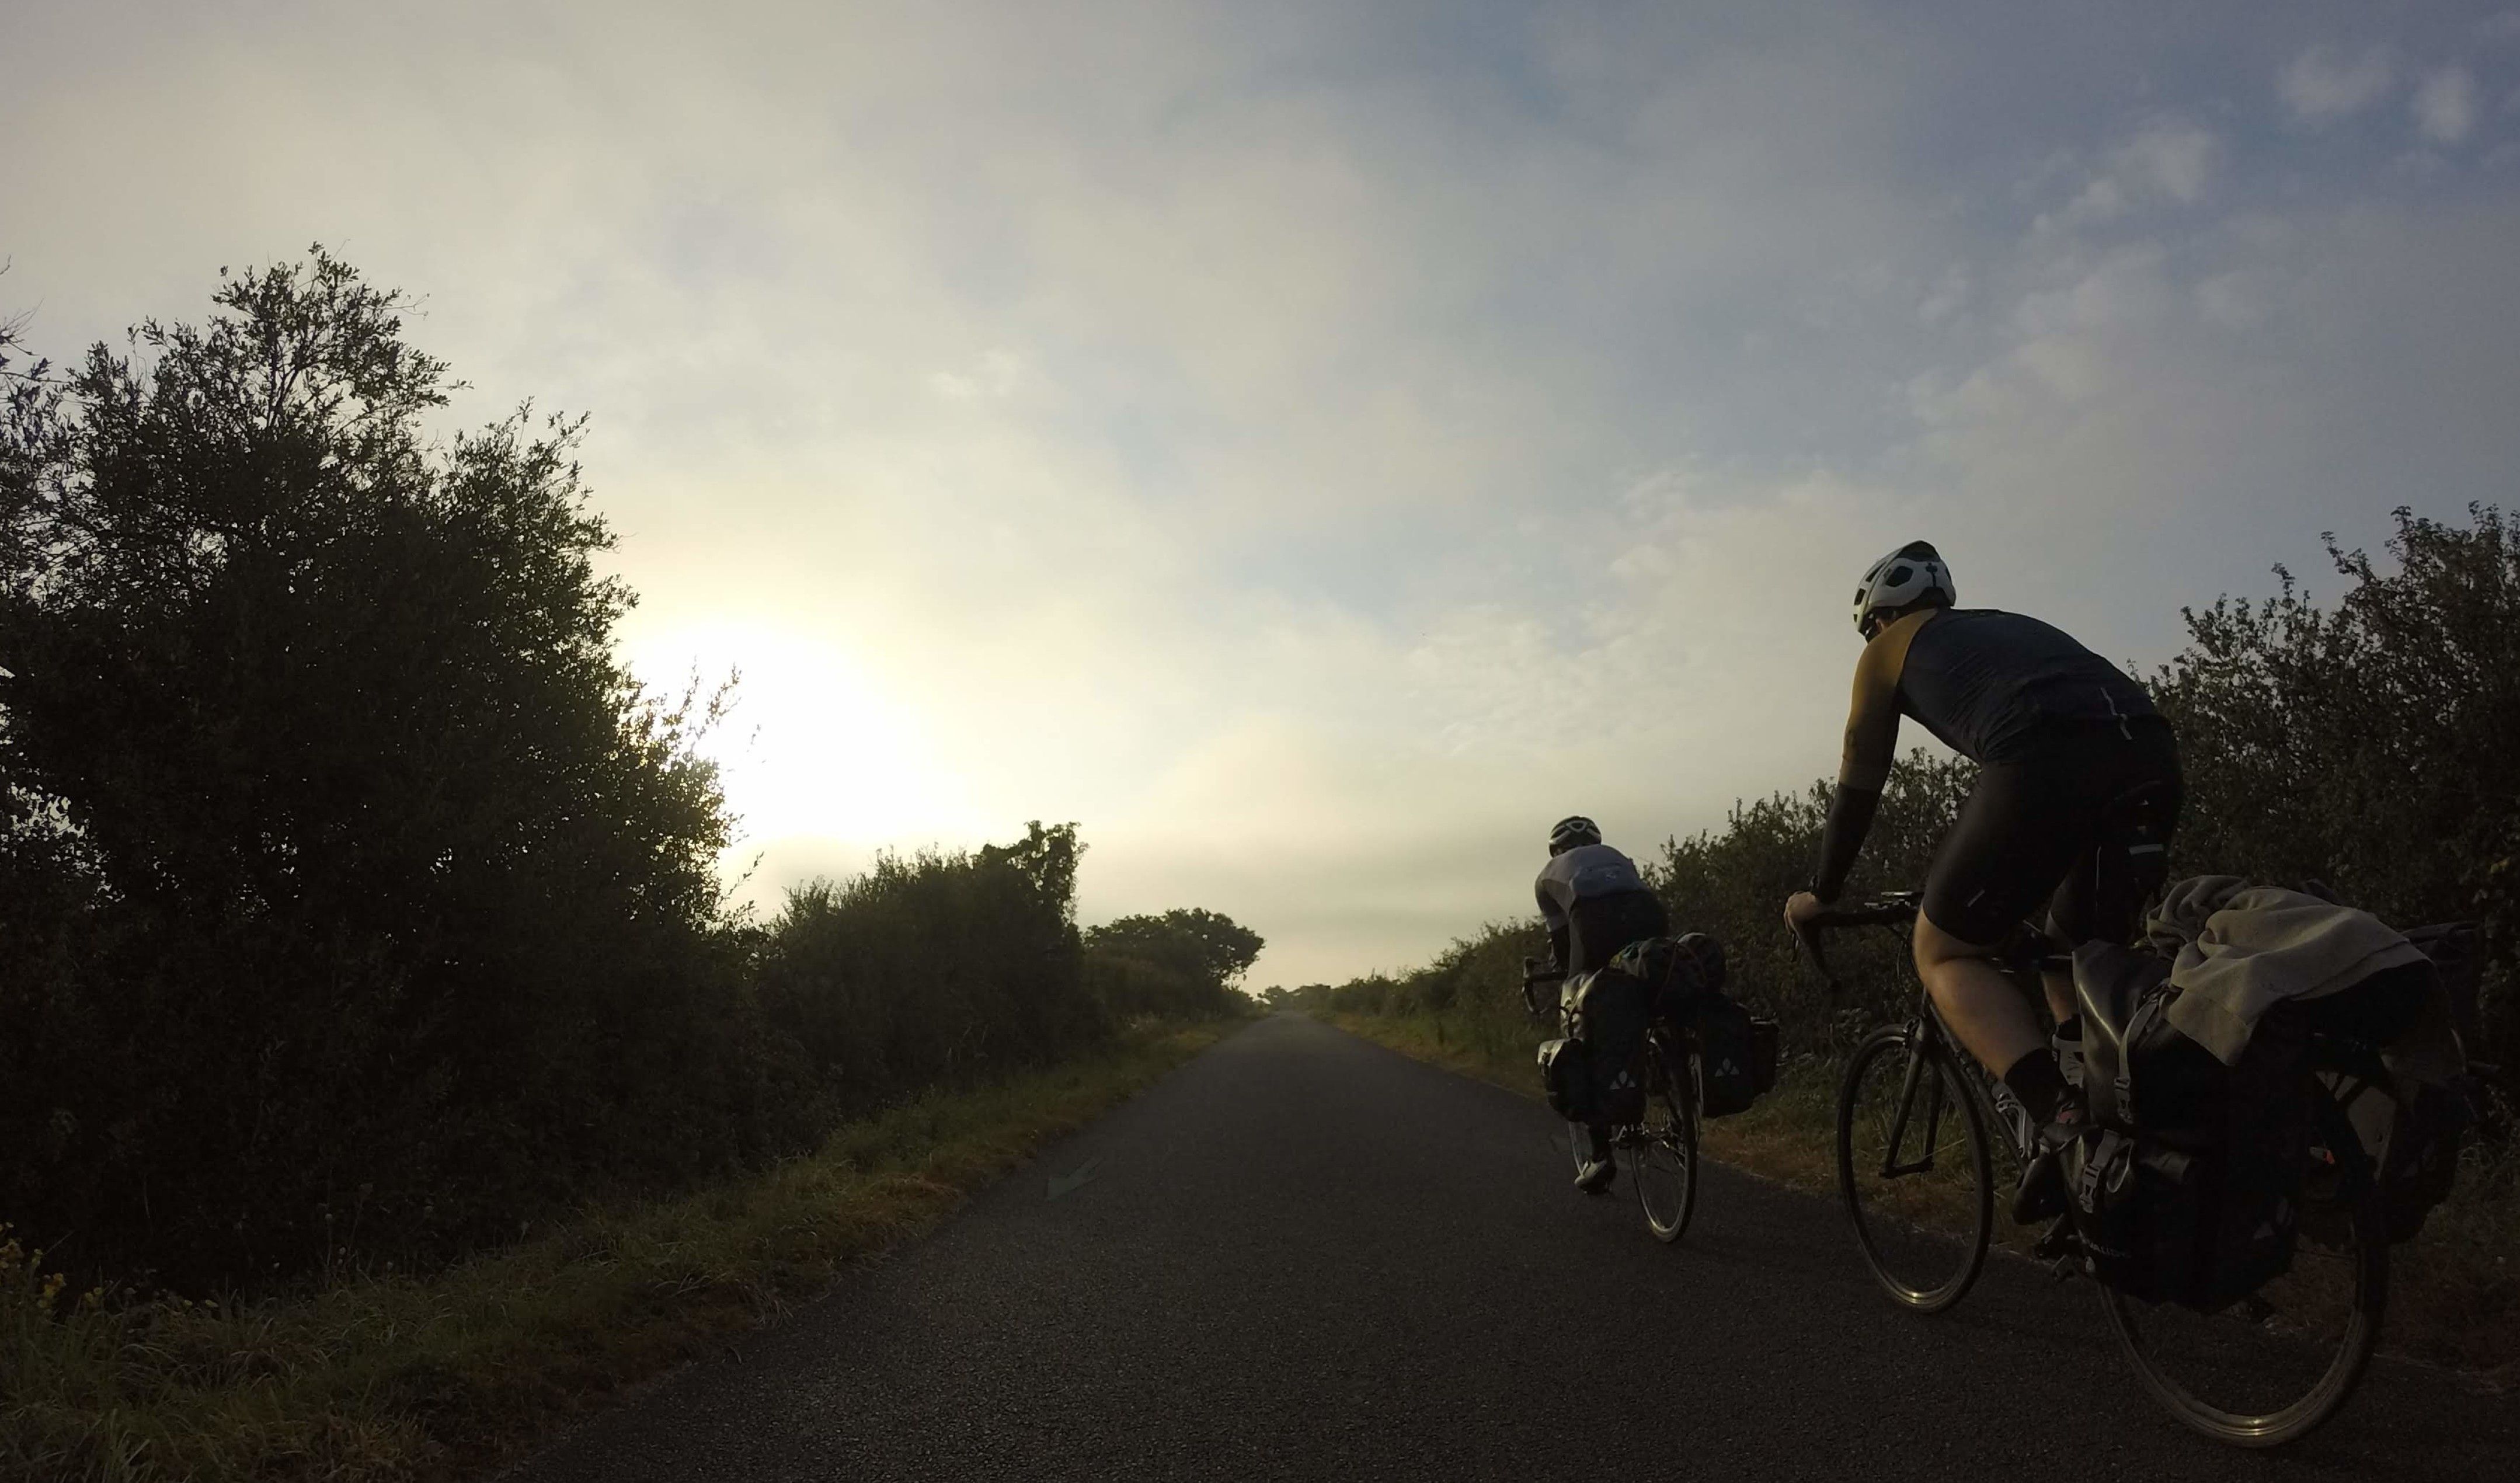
(384, 1376)
(2453, 1293)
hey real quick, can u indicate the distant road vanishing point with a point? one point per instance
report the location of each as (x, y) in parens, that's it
(1304, 1256)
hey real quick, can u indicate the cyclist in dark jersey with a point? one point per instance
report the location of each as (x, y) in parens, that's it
(2059, 735)
(1595, 903)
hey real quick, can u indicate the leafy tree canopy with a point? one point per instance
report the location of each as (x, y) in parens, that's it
(1205, 946)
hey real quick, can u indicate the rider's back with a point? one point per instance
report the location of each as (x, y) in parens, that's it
(1587, 872)
(1989, 683)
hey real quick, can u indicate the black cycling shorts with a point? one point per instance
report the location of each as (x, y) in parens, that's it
(2030, 832)
(1597, 926)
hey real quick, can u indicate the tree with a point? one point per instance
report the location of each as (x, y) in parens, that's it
(355, 866)
(1185, 959)
(1207, 946)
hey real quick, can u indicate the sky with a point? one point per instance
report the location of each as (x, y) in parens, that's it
(1314, 446)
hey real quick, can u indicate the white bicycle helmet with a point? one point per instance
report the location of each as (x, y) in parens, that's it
(1912, 573)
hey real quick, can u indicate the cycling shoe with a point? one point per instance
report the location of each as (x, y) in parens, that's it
(2042, 1194)
(1596, 1176)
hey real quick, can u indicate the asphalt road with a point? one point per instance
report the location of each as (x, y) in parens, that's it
(1304, 1256)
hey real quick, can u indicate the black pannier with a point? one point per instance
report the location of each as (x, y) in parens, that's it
(1765, 1035)
(1566, 1079)
(2420, 1163)
(1609, 1009)
(1728, 1057)
(2188, 1187)
(2411, 1128)
(1683, 978)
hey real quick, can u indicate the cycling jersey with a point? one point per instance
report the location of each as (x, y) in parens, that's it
(1987, 684)
(1595, 903)
(2008, 692)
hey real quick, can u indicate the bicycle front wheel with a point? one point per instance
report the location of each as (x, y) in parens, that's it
(1663, 1162)
(1913, 1168)
(2277, 1364)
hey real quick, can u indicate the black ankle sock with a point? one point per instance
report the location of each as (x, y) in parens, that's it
(2071, 1030)
(2035, 1079)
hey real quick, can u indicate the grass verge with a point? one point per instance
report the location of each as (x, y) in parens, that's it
(2453, 1296)
(440, 1375)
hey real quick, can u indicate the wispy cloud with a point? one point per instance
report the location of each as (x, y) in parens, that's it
(2444, 104)
(2327, 82)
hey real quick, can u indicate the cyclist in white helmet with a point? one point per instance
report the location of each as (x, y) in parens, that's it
(1594, 902)
(2059, 734)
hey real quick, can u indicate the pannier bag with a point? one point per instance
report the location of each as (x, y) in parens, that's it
(2418, 1156)
(2411, 1122)
(1763, 1037)
(2419, 1162)
(2458, 953)
(1609, 1018)
(1683, 978)
(1728, 1057)
(1566, 1079)
(2188, 1186)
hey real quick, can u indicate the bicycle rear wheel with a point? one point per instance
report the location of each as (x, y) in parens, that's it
(1663, 1161)
(1913, 1168)
(2277, 1364)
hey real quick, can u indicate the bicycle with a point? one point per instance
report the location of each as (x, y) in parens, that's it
(1917, 1179)
(1661, 1147)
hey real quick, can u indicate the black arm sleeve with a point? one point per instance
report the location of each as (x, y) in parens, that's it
(1850, 817)
(1554, 916)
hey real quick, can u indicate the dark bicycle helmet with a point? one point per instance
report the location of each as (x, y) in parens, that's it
(1914, 573)
(1706, 955)
(1573, 830)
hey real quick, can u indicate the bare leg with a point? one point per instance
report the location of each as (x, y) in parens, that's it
(2060, 995)
(1976, 1000)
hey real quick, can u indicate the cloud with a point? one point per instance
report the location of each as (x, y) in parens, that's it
(2327, 82)
(2168, 161)
(2444, 104)
(1314, 446)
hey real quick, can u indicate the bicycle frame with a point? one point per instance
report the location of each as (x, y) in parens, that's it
(1907, 1106)
(2024, 967)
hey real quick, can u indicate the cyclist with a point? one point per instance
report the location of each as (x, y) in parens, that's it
(1595, 903)
(2058, 734)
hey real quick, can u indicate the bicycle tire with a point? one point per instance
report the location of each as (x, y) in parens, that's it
(1664, 1157)
(1927, 1243)
(2364, 1216)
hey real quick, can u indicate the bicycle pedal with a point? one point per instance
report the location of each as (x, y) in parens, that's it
(2061, 1249)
